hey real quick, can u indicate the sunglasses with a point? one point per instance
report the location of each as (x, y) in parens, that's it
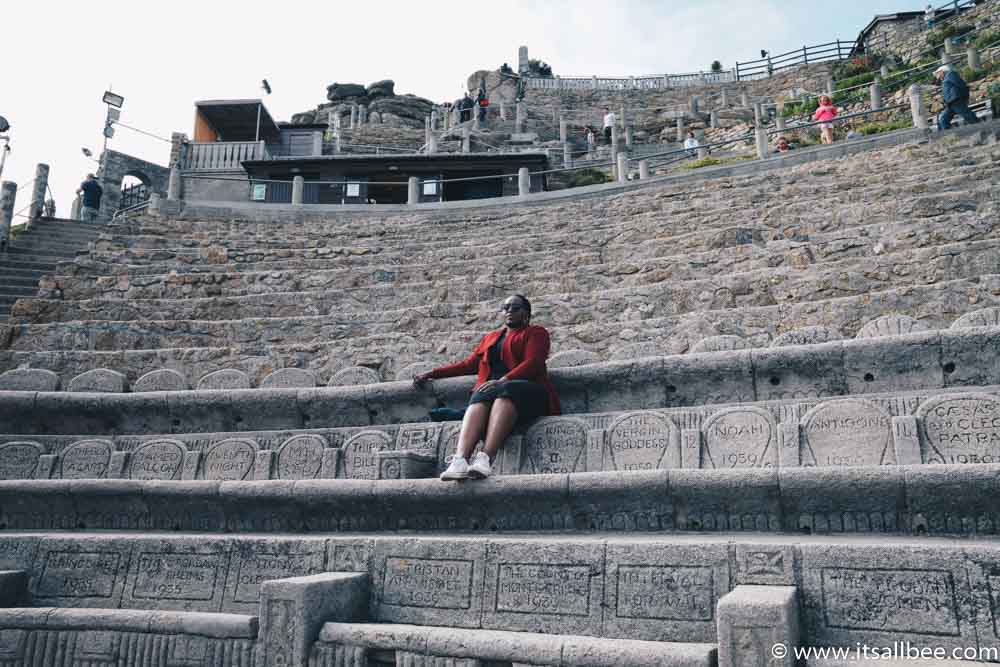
(511, 307)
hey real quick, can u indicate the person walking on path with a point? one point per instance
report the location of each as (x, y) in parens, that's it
(825, 114)
(92, 192)
(512, 388)
(609, 121)
(956, 98)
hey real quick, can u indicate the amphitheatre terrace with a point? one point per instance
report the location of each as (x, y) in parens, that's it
(779, 377)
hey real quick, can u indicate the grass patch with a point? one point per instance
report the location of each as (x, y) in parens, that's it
(587, 177)
(703, 162)
(879, 127)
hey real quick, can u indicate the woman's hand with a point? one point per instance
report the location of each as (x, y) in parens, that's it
(422, 379)
(489, 384)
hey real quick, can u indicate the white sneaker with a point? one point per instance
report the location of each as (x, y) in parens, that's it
(458, 469)
(480, 466)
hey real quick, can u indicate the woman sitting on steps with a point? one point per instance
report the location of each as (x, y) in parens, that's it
(512, 388)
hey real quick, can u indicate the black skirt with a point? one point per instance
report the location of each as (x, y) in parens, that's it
(530, 398)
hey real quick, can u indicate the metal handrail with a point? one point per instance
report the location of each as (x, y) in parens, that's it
(122, 211)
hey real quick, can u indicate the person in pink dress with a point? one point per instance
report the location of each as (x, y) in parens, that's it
(825, 115)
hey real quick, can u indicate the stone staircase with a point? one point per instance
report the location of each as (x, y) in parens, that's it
(780, 397)
(35, 253)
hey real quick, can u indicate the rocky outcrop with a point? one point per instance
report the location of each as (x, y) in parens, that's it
(384, 106)
(337, 92)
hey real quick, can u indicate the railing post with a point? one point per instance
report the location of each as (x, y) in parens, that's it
(8, 193)
(336, 143)
(760, 135)
(74, 211)
(643, 170)
(593, 82)
(876, 95)
(622, 161)
(466, 140)
(744, 99)
(354, 116)
(38, 192)
(523, 182)
(713, 119)
(724, 102)
(261, 150)
(434, 119)
(972, 54)
(779, 121)
(737, 71)
(829, 84)
(432, 145)
(298, 184)
(317, 148)
(174, 184)
(839, 56)
(693, 105)
(519, 120)
(413, 190)
(680, 128)
(628, 137)
(805, 55)
(427, 130)
(917, 107)
(702, 149)
(503, 112)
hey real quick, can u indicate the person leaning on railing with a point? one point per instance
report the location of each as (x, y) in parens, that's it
(512, 388)
(955, 93)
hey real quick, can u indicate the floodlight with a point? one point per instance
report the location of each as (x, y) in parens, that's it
(4, 125)
(763, 53)
(109, 132)
(266, 86)
(113, 99)
(86, 152)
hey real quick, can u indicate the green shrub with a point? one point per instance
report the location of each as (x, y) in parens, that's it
(880, 127)
(935, 38)
(806, 107)
(703, 162)
(987, 38)
(586, 177)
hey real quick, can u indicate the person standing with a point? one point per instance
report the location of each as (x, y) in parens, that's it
(92, 193)
(512, 388)
(609, 121)
(956, 98)
(825, 115)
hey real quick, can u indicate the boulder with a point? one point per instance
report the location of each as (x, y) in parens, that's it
(402, 110)
(379, 89)
(498, 88)
(344, 91)
(304, 118)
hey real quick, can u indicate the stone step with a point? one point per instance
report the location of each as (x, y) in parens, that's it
(19, 263)
(937, 306)
(16, 280)
(9, 289)
(641, 263)
(654, 291)
(31, 255)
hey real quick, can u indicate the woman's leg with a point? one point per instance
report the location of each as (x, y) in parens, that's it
(503, 416)
(473, 428)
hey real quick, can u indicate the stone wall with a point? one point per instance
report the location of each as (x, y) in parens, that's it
(116, 166)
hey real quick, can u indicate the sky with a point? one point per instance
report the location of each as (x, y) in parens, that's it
(58, 59)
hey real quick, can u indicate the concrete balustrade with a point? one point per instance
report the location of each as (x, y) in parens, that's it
(38, 190)
(523, 182)
(413, 190)
(917, 110)
(8, 195)
(298, 185)
(622, 167)
(875, 93)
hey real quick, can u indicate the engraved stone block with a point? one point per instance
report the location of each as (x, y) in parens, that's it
(807, 336)
(906, 441)
(642, 441)
(263, 465)
(960, 428)
(985, 317)
(255, 561)
(691, 448)
(188, 651)
(98, 380)
(46, 464)
(29, 379)
(765, 564)
(157, 459)
(719, 344)
(791, 445)
(360, 454)
(418, 437)
(12, 644)
(331, 463)
(349, 554)
(428, 582)
(289, 378)
(890, 325)
(184, 575)
(555, 445)
(85, 459)
(741, 437)
(229, 460)
(847, 432)
(353, 376)
(163, 379)
(227, 378)
(19, 459)
(571, 358)
(300, 457)
(544, 587)
(75, 573)
(664, 591)
(404, 464)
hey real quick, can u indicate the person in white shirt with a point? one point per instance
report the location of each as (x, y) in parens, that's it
(691, 144)
(609, 121)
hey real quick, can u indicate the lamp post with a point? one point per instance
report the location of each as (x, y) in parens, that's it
(4, 127)
(114, 102)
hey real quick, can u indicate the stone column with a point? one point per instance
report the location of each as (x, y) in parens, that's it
(175, 184)
(503, 111)
(363, 115)
(354, 116)
(520, 117)
(614, 141)
(680, 128)
(427, 130)
(567, 155)
(876, 95)
(917, 107)
(434, 120)
(972, 54)
(298, 183)
(628, 137)
(523, 182)
(178, 146)
(563, 130)
(413, 190)
(758, 114)
(432, 145)
(446, 120)
(38, 192)
(317, 143)
(829, 84)
(724, 102)
(466, 140)
(475, 117)
(622, 119)
(744, 99)
(336, 143)
(779, 122)
(693, 105)
(713, 119)
(74, 211)
(761, 139)
(643, 170)
(555, 114)
(8, 192)
(702, 150)
(622, 162)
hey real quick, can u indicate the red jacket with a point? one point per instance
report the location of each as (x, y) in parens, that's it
(524, 351)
